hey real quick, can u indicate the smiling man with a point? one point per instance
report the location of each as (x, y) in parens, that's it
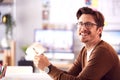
(97, 60)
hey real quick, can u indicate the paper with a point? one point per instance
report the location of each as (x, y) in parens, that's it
(35, 48)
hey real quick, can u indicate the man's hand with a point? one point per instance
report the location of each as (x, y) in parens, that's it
(41, 61)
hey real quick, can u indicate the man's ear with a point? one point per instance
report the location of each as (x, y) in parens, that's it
(100, 29)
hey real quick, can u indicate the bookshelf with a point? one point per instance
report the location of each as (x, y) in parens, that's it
(9, 54)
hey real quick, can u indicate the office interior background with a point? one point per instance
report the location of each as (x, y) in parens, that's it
(52, 23)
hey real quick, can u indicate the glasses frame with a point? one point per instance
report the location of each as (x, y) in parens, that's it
(86, 24)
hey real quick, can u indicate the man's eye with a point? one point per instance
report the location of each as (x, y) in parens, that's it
(81, 23)
(87, 24)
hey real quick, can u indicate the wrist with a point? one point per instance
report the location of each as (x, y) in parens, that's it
(48, 69)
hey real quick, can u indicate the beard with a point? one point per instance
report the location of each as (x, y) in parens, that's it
(84, 36)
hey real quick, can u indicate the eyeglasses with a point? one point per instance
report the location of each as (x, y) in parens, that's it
(86, 24)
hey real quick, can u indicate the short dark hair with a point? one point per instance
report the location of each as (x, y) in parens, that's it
(98, 17)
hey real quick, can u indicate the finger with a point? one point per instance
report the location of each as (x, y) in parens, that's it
(36, 57)
(36, 63)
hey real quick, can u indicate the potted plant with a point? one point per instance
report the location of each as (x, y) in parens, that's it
(24, 48)
(9, 23)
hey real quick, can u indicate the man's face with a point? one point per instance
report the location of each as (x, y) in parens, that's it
(87, 29)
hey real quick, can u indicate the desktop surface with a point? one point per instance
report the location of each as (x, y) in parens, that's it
(28, 76)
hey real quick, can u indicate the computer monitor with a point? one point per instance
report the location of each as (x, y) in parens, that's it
(112, 37)
(57, 42)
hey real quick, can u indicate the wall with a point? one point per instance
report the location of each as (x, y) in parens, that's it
(28, 18)
(110, 9)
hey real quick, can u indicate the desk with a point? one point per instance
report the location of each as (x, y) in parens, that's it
(62, 64)
(26, 76)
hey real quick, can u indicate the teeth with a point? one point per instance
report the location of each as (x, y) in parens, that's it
(83, 34)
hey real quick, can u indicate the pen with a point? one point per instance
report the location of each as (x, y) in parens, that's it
(37, 52)
(4, 70)
(0, 68)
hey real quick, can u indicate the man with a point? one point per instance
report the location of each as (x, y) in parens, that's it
(96, 61)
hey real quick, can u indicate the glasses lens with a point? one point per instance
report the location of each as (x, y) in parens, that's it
(88, 24)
